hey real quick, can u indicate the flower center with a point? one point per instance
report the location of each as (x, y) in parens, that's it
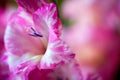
(33, 32)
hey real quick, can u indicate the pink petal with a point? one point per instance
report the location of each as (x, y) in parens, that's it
(31, 5)
(57, 53)
(68, 71)
(4, 71)
(20, 67)
(46, 18)
(22, 49)
(43, 74)
(17, 39)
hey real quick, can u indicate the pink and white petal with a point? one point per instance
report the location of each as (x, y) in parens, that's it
(57, 52)
(20, 67)
(31, 5)
(17, 39)
(69, 71)
(46, 18)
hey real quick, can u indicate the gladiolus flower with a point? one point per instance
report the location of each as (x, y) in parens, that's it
(34, 45)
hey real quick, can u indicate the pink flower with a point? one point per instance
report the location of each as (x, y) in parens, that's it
(33, 42)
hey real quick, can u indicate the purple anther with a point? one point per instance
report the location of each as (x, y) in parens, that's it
(35, 33)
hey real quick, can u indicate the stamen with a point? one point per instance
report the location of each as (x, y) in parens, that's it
(33, 32)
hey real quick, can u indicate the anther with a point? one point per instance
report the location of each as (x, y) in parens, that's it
(34, 33)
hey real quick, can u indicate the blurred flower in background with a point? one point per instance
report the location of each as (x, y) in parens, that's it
(94, 35)
(6, 10)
